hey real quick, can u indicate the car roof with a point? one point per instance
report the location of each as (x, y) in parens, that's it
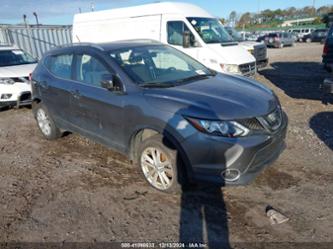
(109, 46)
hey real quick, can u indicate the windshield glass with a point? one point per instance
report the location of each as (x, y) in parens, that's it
(158, 64)
(15, 57)
(210, 30)
(234, 34)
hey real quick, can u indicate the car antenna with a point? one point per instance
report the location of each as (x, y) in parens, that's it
(77, 37)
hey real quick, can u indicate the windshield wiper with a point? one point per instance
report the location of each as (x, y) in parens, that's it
(196, 77)
(156, 84)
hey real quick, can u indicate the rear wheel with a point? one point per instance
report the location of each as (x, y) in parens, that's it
(45, 122)
(281, 45)
(160, 165)
(308, 40)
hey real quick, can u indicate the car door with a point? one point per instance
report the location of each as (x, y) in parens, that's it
(96, 112)
(55, 86)
(174, 37)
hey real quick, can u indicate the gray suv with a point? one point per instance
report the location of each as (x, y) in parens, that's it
(177, 120)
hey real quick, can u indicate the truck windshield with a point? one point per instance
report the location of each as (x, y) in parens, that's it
(210, 30)
(15, 57)
(234, 34)
(158, 65)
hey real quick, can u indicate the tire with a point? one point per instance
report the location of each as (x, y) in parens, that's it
(45, 122)
(281, 45)
(169, 178)
(308, 40)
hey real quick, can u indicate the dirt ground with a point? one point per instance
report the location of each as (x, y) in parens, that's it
(73, 190)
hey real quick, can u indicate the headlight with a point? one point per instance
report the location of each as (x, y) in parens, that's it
(219, 128)
(251, 51)
(230, 68)
(6, 81)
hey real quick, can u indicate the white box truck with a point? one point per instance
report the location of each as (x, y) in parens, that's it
(184, 26)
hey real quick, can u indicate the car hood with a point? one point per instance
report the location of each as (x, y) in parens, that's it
(17, 71)
(234, 54)
(224, 97)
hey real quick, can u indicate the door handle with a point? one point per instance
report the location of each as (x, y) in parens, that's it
(76, 94)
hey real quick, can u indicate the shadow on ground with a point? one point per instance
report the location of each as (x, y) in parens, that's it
(203, 218)
(300, 80)
(322, 125)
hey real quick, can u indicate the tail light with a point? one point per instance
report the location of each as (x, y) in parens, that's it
(325, 51)
(30, 76)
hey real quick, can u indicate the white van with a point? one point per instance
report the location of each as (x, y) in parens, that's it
(183, 26)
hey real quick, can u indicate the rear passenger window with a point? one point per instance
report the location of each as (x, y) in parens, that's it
(90, 70)
(60, 65)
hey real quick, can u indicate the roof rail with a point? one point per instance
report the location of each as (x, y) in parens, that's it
(81, 44)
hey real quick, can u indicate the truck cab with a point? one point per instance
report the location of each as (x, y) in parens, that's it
(184, 26)
(257, 49)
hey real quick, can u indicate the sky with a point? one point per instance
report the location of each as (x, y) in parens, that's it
(62, 11)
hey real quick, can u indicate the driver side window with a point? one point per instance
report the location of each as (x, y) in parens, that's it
(90, 70)
(176, 30)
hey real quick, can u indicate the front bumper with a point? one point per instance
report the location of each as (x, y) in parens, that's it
(16, 94)
(210, 156)
(262, 63)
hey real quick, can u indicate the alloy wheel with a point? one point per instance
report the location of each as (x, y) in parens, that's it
(43, 122)
(157, 168)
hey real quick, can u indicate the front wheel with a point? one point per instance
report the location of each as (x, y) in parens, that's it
(45, 122)
(160, 165)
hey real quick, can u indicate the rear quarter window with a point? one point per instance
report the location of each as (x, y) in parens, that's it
(60, 65)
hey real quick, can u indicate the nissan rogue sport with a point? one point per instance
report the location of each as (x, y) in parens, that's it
(176, 119)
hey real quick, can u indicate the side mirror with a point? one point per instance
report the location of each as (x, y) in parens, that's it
(186, 39)
(111, 82)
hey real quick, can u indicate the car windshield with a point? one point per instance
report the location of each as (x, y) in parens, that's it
(158, 65)
(15, 57)
(235, 34)
(210, 30)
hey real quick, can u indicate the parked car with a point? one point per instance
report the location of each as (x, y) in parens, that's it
(319, 35)
(186, 27)
(15, 67)
(262, 38)
(257, 49)
(174, 118)
(279, 40)
(328, 51)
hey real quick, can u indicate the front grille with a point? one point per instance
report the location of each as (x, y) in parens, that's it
(252, 124)
(260, 52)
(26, 96)
(248, 68)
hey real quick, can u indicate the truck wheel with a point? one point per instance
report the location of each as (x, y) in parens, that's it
(45, 122)
(160, 165)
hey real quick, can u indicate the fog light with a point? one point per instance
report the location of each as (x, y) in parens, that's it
(6, 96)
(230, 175)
